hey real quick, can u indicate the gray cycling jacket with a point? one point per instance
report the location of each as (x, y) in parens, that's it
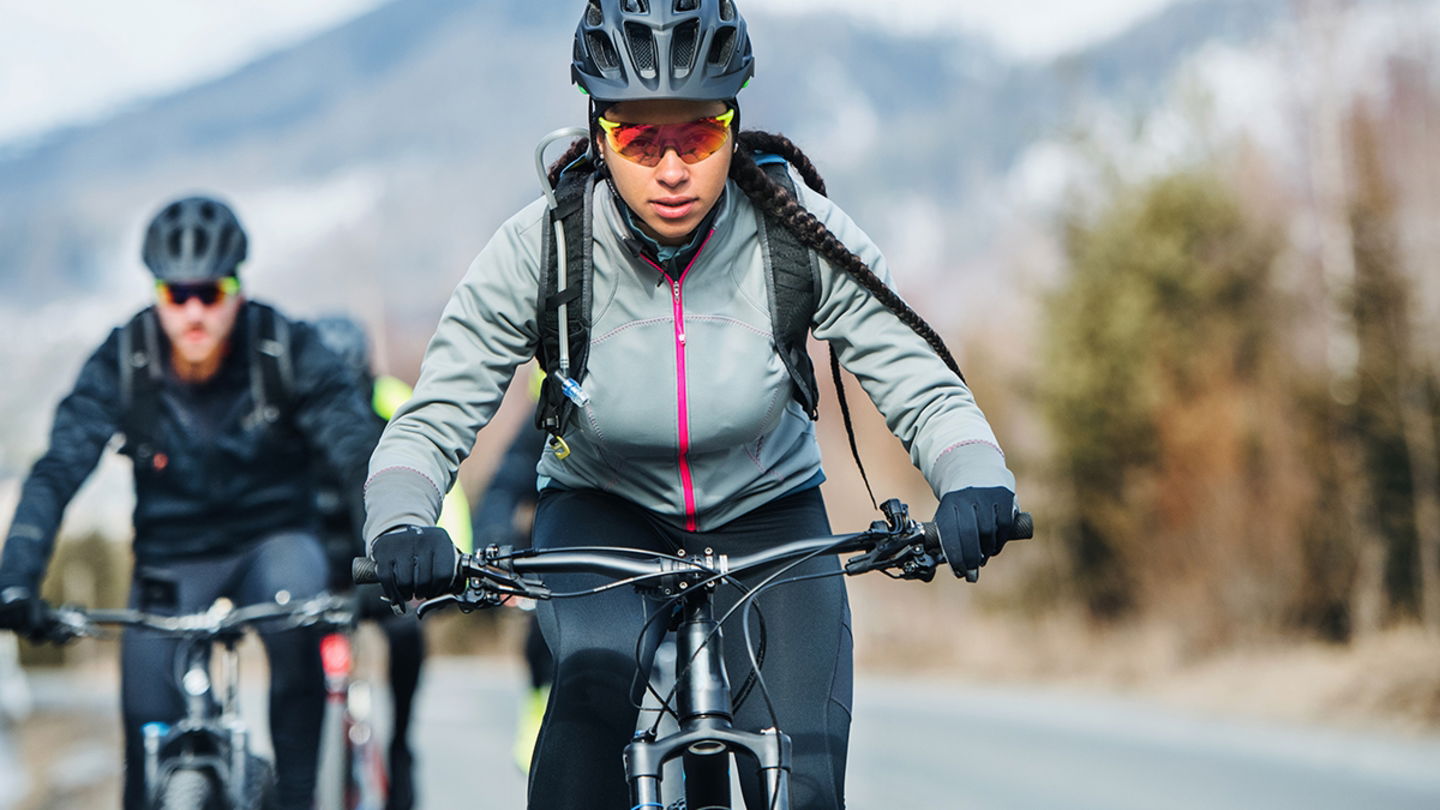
(691, 413)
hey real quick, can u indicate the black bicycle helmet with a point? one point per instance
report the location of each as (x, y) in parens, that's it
(345, 337)
(194, 239)
(682, 49)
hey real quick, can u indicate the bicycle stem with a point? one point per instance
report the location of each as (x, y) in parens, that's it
(706, 701)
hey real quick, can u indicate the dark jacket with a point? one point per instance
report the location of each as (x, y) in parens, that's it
(217, 483)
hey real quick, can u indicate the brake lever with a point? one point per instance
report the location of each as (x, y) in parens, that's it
(469, 600)
(901, 548)
(65, 624)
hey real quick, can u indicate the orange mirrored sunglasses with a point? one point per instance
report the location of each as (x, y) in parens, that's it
(646, 144)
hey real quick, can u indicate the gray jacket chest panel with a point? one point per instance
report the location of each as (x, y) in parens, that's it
(633, 375)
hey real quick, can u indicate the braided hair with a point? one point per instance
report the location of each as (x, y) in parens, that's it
(780, 206)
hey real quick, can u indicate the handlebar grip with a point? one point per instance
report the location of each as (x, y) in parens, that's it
(1023, 528)
(364, 571)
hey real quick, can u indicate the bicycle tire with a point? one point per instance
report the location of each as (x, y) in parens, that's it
(707, 781)
(369, 781)
(259, 783)
(188, 789)
(332, 784)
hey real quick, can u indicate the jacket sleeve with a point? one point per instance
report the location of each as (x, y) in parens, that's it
(924, 403)
(334, 415)
(84, 422)
(487, 329)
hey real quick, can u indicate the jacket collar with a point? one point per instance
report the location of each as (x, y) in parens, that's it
(626, 225)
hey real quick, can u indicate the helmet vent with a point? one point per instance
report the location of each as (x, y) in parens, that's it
(687, 5)
(636, 6)
(642, 48)
(602, 50)
(722, 47)
(727, 10)
(682, 55)
(173, 212)
(227, 238)
(593, 15)
(173, 243)
(207, 212)
(200, 242)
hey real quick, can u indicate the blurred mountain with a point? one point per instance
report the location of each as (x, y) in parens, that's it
(392, 145)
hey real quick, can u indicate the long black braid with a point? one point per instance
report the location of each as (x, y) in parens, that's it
(781, 206)
(778, 203)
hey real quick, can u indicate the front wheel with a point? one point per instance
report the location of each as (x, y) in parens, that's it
(259, 783)
(188, 789)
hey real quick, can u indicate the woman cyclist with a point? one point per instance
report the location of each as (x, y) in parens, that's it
(687, 434)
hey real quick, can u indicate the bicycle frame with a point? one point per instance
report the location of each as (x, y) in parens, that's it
(211, 737)
(352, 773)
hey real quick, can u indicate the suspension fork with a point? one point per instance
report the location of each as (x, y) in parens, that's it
(231, 724)
(706, 738)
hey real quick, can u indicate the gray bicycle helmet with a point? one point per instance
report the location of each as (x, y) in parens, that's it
(682, 49)
(345, 337)
(194, 239)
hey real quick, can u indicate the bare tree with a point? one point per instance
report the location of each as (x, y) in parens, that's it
(1335, 254)
(1414, 103)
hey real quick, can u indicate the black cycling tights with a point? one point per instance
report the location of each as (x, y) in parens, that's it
(592, 714)
(292, 562)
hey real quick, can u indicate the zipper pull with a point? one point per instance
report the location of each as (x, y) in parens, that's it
(572, 389)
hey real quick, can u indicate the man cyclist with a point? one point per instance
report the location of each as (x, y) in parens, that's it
(347, 339)
(223, 403)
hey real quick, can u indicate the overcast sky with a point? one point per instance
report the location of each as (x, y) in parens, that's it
(69, 60)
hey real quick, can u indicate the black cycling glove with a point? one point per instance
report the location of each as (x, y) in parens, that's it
(22, 611)
(415, 562)
(974, 524)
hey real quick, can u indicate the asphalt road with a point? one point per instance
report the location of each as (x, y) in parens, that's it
(914, 744)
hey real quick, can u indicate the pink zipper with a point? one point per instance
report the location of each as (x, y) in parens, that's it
(677, 303)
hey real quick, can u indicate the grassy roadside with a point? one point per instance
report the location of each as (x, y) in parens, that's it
(1386, 682)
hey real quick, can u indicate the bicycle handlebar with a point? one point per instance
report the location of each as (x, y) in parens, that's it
(74, 621)
(897, 540)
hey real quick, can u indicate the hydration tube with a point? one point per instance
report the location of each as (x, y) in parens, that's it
(568, 386)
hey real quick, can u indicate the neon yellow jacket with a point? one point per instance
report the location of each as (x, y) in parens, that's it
(387, 395)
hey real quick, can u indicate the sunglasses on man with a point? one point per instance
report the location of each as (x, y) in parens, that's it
(646, 144)
(210, 293)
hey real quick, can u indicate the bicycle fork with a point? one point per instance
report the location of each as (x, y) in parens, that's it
(706, 738)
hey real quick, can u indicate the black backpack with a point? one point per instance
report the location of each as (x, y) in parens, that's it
(791, 271)
(142, 370)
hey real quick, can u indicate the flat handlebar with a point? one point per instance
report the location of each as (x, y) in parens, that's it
(621, 562)
(73, 621)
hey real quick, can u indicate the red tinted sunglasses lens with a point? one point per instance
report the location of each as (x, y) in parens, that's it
(645, 144)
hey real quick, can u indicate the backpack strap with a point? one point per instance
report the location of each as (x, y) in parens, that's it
(140, 374)
(794, 297)
(272, 369)
(790, 274)
(559, 391)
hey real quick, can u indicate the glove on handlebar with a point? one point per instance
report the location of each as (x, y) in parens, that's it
(415, 562)
(974, 524)
(22, 611)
